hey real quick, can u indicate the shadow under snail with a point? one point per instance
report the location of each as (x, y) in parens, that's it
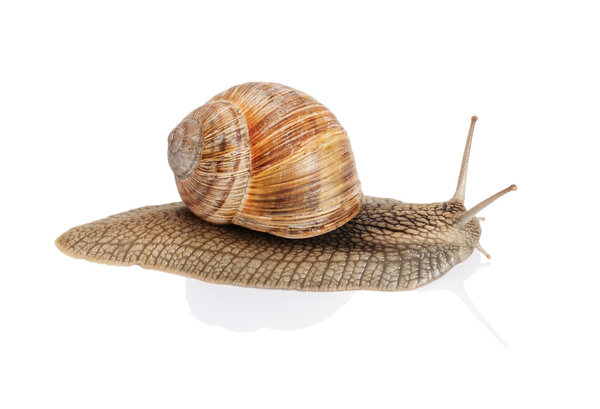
(275, 161)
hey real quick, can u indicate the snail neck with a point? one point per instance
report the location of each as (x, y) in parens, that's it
(395, 223)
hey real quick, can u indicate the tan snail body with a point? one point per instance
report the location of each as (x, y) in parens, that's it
(274, 160)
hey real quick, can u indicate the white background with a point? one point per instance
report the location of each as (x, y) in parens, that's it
(88, 95)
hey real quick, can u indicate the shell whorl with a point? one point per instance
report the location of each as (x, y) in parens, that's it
(185, 147)
(215, 187)
(272, 159)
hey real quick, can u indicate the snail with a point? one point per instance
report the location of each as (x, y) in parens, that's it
(272, 199)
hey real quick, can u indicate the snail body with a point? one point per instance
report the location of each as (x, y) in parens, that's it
(315, 230)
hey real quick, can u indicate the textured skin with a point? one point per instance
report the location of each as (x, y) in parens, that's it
(300, 179)
(388, 246)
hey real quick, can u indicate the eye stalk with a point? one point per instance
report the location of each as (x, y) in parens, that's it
(459, 195)
(469, 214)
(185, 147)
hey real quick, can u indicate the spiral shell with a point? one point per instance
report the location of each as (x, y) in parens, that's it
(266, 157)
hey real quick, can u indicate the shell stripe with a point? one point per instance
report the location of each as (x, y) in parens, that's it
(222, 174)
(301, 178)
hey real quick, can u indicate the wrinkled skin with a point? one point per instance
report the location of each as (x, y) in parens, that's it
(389, 245)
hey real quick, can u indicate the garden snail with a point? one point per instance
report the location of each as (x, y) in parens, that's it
(274, 160)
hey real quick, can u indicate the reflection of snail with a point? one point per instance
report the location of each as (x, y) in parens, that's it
(272, 159)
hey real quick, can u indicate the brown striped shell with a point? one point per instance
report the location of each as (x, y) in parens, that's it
(266, 157)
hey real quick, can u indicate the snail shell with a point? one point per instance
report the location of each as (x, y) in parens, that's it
(267, 157)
